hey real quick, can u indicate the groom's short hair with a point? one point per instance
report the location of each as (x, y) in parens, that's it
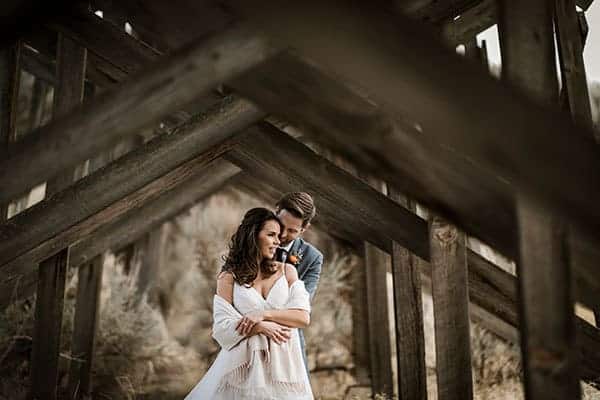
(299, 204)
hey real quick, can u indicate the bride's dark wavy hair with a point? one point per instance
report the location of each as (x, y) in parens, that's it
(244, 253)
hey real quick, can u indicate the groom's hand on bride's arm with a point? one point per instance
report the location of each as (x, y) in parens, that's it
(278, 333)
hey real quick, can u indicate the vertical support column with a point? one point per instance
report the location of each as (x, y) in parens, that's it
(9, 86)
(483, 55)
(570, 50)
(70, 65)
(376, 267)
(360, 325)
(545, 303)
(451, 311)
(71, 59)
(47, 328)
(571, 36)
(84, 329)
(410, 337)
(376, 262)
(476, 53)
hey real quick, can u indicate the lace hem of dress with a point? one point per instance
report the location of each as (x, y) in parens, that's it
(238, 381)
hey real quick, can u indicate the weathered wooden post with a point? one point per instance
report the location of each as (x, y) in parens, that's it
(9, 87)
(71, 59)
(451, 310)
(89, 284)
(376, 263)
(380, 354)
(47, 327)
(570, 50)
(546, 307)
(408, 308)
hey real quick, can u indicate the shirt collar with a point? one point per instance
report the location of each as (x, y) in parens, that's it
(289, 246)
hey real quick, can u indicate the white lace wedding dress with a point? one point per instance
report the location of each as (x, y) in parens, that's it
(255, 368)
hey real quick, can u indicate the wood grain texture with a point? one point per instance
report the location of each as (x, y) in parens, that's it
(545, 305)
(347, 121)
(10, 60)
(408, 308)
(570, 51)
(47, 326)
(71, 61)
(88, 197)
(87, 307)
(380, 352)
(512, 153)
(113, 234)
(451, 311)
(268, 151)
(125, 111)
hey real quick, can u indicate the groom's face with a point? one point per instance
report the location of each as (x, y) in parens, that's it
(292, 227)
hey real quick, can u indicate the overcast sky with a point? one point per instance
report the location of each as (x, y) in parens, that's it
(591, 54)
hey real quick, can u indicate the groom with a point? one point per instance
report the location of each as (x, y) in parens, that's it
(296, 210)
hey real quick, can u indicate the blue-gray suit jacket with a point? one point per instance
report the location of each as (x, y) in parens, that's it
(309, 271)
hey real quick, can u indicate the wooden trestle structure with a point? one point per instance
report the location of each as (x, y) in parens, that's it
(378, 83)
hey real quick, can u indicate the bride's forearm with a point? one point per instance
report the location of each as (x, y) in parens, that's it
(291, 318)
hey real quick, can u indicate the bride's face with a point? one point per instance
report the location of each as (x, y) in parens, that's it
(268, 239)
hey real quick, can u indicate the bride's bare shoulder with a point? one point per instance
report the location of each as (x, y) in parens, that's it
(291, 273)
(225, 281)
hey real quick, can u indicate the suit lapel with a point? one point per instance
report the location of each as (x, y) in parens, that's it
(296, 247)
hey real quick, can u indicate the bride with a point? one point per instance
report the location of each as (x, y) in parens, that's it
(257, 308)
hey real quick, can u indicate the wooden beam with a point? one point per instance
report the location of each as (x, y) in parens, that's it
(9, 86)
(344, 119)
(70, 70)
(547, 321)
(380, 353)
(380, 66)
(267, 151)
(84, 200)
(128, 109)
(115, 233)
(325, 220)
(471, 22)
(87, 310)
(377, 264)
(490, 287)
(451, 311)
(107, 41)
(478, 18)
(570, 50)
(545, 307)
(408, 308)
(47, 326)
(434, 11)
(38, 65)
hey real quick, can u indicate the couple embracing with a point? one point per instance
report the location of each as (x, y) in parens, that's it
(263, 300)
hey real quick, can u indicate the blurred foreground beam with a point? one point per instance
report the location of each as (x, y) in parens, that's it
(168, 86)
(111, 191)
(10, 73)
(455, 185)
(546, 309)
(520, 143)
